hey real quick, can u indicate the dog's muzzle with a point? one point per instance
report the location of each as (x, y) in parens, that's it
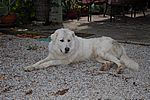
(67, 50)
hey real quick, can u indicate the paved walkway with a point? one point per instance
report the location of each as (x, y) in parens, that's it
(128, 29)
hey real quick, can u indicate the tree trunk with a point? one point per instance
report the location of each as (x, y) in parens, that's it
(47, 10)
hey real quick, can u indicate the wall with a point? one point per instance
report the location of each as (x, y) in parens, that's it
(56, 12)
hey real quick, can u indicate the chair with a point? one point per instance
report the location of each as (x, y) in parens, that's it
(101, 2)
(116, 3)
(86, 3)
(138, 5)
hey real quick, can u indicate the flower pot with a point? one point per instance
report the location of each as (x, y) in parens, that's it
(8, 19)
(72, 14)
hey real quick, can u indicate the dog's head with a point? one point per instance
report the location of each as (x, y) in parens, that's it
(63, 40)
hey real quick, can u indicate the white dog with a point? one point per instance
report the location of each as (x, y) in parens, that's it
(66, 48)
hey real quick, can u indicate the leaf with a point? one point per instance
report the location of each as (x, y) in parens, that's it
(32, 48)
(29, 92)
(61, 92)
(2, 77)
(6, 89)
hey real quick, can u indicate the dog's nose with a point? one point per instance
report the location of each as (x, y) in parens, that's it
(67, 50)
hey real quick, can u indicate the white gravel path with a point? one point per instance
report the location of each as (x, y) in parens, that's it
(79, 81)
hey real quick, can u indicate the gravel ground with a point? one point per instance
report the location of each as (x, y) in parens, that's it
(79, 81)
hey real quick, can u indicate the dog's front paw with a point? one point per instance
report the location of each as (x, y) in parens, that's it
(29, 68)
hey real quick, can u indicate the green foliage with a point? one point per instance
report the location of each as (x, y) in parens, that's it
(3, 9)
(32, 47)
(24, 10)
(5, 6)
(69, 5)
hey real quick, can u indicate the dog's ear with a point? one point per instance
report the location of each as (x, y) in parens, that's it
(73, 34)
(54, 36)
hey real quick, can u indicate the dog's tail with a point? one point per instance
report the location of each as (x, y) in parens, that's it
(129, 62)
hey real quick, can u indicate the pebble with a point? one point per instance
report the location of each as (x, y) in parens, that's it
(80, 79)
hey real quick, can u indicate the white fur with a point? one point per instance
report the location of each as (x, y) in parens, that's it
(103, 50)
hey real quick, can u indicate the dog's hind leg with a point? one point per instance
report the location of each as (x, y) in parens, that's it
(114, 59)
(106, 65)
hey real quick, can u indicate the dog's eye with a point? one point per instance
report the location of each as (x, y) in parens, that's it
(62, 40)
(68, 40)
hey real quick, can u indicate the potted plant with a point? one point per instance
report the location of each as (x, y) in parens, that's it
(6, 14)
(70, 8)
